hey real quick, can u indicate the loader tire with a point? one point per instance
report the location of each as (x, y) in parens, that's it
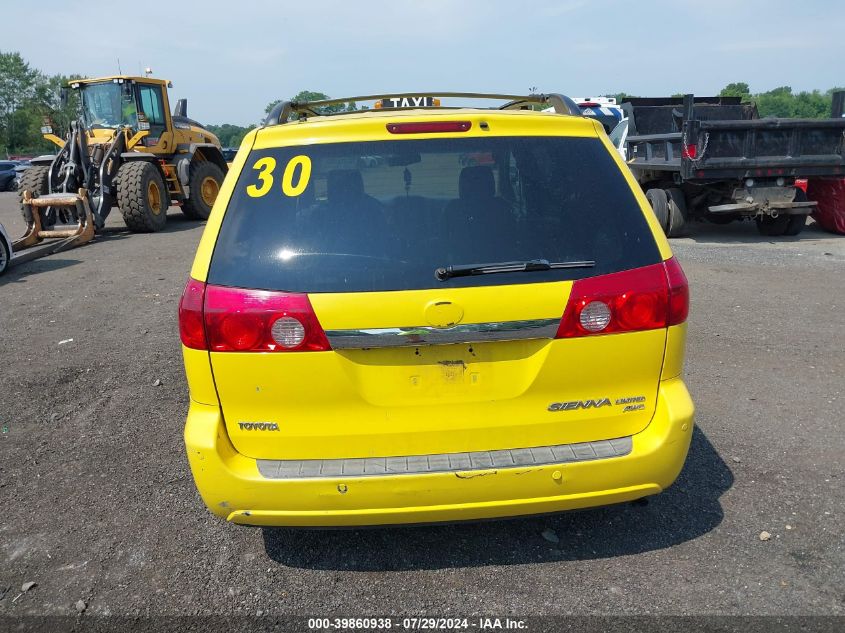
(204, 181)
(35, 180)
(142, 197)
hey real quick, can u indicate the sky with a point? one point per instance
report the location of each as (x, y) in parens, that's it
(232, 58)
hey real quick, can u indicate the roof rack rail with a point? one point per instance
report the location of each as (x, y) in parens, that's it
(282, 111)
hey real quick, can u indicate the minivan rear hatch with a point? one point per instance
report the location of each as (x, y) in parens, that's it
(429, 276)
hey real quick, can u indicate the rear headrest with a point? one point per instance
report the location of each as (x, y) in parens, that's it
(344, 184)
(476, 183)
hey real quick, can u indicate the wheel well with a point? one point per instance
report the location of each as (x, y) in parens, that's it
(45, 159)
(213, 155)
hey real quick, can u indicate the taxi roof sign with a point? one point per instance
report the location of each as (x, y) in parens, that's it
(407, 102)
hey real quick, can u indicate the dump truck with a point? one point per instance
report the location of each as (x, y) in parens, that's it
(125, 149)
(714, 158)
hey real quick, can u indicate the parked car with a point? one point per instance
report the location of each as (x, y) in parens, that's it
(8, 180)
(5, 250)
(618, 136)
(603, 109)
(427, 340)
(19, 172)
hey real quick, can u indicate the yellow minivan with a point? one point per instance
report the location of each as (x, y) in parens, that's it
(422, 314)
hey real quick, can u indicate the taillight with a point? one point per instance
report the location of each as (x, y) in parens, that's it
(191, 329)
(223, 319)
(429, 127)
(645, 298)
(689, 151)
(678, 292)
(240, 320)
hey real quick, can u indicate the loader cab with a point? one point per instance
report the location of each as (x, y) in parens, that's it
(139, 103)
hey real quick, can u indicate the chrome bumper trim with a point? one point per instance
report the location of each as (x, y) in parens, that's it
(444, 462)
(424, 335)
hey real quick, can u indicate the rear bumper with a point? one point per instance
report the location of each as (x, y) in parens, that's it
(233, 488)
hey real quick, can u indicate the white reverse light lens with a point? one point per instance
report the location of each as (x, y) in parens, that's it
(595, 316)
(288, 332)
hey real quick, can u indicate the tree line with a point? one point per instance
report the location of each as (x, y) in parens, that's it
(29, 97)
(232, 135)
(779, 102)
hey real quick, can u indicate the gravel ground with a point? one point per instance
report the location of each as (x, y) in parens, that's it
(98, 503)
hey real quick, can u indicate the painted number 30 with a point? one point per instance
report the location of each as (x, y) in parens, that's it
(298, 166)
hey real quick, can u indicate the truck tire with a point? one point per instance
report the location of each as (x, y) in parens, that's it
(677, 212)
(721, 218)
(142, 197)
(660, 205)
(797, 223)
(771, 227)
(204, 181)
(35, 180)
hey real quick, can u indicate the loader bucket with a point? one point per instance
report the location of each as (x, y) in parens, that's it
(61, 240)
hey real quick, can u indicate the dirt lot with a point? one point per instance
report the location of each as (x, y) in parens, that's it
(98, 503)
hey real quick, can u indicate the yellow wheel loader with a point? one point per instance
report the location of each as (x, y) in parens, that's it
(126, 149)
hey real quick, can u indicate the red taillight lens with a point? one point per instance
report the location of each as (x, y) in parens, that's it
(191, 329)
(240, 320)
(429, 127)
(689, 151)
(645, 298)
(678, 292)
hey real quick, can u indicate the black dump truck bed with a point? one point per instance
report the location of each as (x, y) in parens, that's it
(715, 159)
(714, 138)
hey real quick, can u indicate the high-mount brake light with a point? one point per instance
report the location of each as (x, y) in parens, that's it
(429, 127)
(648, 298)
(222, 319)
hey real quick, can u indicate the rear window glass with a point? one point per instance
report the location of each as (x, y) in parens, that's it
(384, 215)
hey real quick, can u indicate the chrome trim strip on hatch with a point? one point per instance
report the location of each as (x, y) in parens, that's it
(425, 335)
(444, 462)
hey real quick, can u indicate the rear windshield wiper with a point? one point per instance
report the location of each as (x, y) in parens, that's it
(465, 270)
